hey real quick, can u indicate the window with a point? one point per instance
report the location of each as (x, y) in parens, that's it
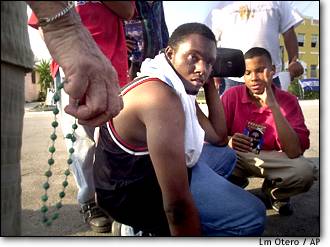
(313, 71)
(314, 40)
(301, 39)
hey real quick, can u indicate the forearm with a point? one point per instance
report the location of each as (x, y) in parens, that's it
(124, 9)
(291, 44)
(216, 112)
(288, 137)
(183, 219)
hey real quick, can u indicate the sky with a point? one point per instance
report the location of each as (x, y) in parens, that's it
(177, 13)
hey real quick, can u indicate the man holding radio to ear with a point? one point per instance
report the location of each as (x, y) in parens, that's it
(152, 170)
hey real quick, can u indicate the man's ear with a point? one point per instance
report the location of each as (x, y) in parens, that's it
(169, 52)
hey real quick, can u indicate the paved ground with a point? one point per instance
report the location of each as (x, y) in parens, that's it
(37, 129)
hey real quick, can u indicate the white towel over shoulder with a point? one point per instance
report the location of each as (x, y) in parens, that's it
(194, 134)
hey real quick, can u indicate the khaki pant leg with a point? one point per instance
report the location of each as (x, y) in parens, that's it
(12, 112)
(290, 176)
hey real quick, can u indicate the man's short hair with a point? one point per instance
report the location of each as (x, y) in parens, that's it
(258, 52)
(181, 32)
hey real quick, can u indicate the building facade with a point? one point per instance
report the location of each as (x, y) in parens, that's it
(308, 35)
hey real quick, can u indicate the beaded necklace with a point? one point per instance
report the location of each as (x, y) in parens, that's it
(48, 220)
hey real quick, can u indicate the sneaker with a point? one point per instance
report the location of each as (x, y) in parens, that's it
(96, 218)
(119, 229)
(282, 206)
(239, 181)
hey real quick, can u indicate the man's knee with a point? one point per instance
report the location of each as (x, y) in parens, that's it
(305, 172)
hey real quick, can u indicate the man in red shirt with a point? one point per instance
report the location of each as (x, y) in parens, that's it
(268, 132)
(104, 20)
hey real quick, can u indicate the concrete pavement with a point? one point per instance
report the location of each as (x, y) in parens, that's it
(37, 129)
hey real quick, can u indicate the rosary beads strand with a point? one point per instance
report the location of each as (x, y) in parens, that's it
(44, 198)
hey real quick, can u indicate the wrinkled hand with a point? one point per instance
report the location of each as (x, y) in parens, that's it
(241, 143)
(295, 69)
(91, 79)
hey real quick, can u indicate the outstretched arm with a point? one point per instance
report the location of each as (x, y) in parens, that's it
(92, 81)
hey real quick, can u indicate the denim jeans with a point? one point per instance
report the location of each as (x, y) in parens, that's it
(224, 208)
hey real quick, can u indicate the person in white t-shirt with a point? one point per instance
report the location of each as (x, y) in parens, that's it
(246, 24)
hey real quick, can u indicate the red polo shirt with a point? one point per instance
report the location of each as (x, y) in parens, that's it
(239, 110)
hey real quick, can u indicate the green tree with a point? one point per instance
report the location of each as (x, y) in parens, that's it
(45, 79)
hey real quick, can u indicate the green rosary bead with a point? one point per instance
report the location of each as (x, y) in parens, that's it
(73, 138)
(74, 126)
(44, 209)
(52, 149)
(55, 216)
(61, 194)
(53, 136)
(67, 172)
(51, 161)
(48, 174)
(48, 223)
(44, 219)
(56, 111)
(58, 205)
(56, 97)
(44, 198)
(68, 136)
(46, 186)
(65, 184)
(69, 161)
(55, 124)
(60, 86)
(71, 150)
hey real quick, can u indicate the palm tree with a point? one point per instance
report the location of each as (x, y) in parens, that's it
(45, 79)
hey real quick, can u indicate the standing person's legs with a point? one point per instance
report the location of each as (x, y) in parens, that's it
(224, 208)
(12, 113)
(82, 166)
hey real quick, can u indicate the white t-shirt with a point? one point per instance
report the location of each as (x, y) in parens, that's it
(246, 24)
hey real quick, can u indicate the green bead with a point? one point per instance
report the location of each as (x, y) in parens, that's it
(53, 136)
(56, 97)
(58, 205)
(44, 198)
(74, 126)
(54, 124)
(61, 194)
(46, 186)
(51, 161)
(56, 111)
(44, 209)
(52, 149)
(48, 173)
(60, 86)
(48, 223)
(55, 216)
(69, 161)
(44, 219)
(67, 172)
(65, 184)
(73, 138)
(71, 150)
(68, 136)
